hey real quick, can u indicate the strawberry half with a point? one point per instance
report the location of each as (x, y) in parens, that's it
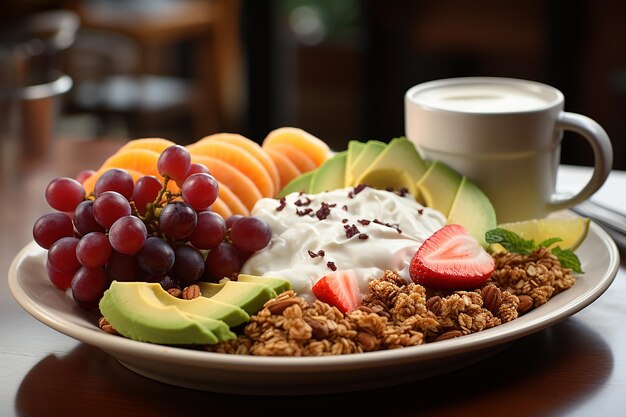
(451, 259)
(339, 289)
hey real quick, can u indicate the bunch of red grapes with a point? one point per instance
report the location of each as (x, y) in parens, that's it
(141, 231)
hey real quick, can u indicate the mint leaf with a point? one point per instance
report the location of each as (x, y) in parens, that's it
(511, 241)
(568, 259)
(548, 242)
(514, 243)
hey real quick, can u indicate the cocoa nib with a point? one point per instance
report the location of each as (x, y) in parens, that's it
(393, 226)
(324, 211)
(282, 203)
(331, 265)
(319, 253)
(351, 230)
(304, 212)
(304, 202)
(357, 190)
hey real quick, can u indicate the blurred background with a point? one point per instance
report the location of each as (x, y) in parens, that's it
(184, 69)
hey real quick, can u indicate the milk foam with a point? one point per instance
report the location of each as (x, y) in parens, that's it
(483, 98)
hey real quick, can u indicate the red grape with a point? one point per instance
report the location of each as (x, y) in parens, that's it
(110, 206)
(222, 261)
(232, 219)
(209, 232)
(156, 257)
(178, 220)
(194, 168)
(115, 179)
(84, 174)
(84, 220)
(62, 255)
(188, 265)
(146, 191)
(200, 191)
(93, 250)
(122, 267)
(174, 162)
(61, 280)
(167, 282)
(88, 286)
(64, 194)
(51, 227)
(250, 234)
(128, 234)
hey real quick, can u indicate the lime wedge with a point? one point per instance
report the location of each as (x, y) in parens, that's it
(572, 231)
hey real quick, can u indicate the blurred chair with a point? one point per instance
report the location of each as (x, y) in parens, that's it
(120, 61)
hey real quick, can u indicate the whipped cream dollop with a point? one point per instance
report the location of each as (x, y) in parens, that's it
(360, 229)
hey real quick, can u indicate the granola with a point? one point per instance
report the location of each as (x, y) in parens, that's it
(395, 313)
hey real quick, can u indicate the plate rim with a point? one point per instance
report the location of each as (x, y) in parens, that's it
(115, 345)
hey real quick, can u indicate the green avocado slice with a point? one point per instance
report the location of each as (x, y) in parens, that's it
(133, 310)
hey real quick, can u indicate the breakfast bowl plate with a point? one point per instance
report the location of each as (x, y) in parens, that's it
(239, 374)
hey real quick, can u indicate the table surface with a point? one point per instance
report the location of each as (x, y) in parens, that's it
(574, 368)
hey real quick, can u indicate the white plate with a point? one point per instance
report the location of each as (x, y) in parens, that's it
(268, 375)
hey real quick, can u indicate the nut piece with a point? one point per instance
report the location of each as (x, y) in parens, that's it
(191, 292)
(175, 292)
(367, 341)
(278, 306)
(492, 298)
(319, 330)
(105, 326)
(525, 303)
(434, 304)
(451, 334)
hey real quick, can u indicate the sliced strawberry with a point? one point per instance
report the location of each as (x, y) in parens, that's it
(339, 289)
(451, 259)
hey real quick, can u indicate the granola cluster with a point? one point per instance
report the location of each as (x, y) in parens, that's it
(395, 314)
(538, 275)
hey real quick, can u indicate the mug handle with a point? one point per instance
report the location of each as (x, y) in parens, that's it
(602, 153)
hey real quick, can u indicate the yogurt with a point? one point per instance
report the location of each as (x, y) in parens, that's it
(364, 230)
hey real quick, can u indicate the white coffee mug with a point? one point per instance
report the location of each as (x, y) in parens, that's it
(505, 135)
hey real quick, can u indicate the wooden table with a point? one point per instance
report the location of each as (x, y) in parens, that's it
(575, 368)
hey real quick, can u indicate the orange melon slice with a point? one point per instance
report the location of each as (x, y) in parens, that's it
(235, 180)
(151, 144)
(286, 169)
(295, 155)
(252, 147)
(231, 200)
(240, 159)
(221, 208)
(314, 147)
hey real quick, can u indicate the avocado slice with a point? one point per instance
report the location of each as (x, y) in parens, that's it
(133, 310)
(399, 165)
(370, 152)
(231, 314)
(473, 210)
(298, 184)
(330, 175)
(354, 151)
(250, 296)
(438, 187)
(277, 284)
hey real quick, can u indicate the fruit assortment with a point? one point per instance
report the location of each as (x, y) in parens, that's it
(127, 230)
(157, 216)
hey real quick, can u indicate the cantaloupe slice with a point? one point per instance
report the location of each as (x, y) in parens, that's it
(314, 147)
(286, 169)
(242, 186)
(231, 200)
(252, 147)
(299, 158)
(151, 144)
(240, 159)
(221, 208)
